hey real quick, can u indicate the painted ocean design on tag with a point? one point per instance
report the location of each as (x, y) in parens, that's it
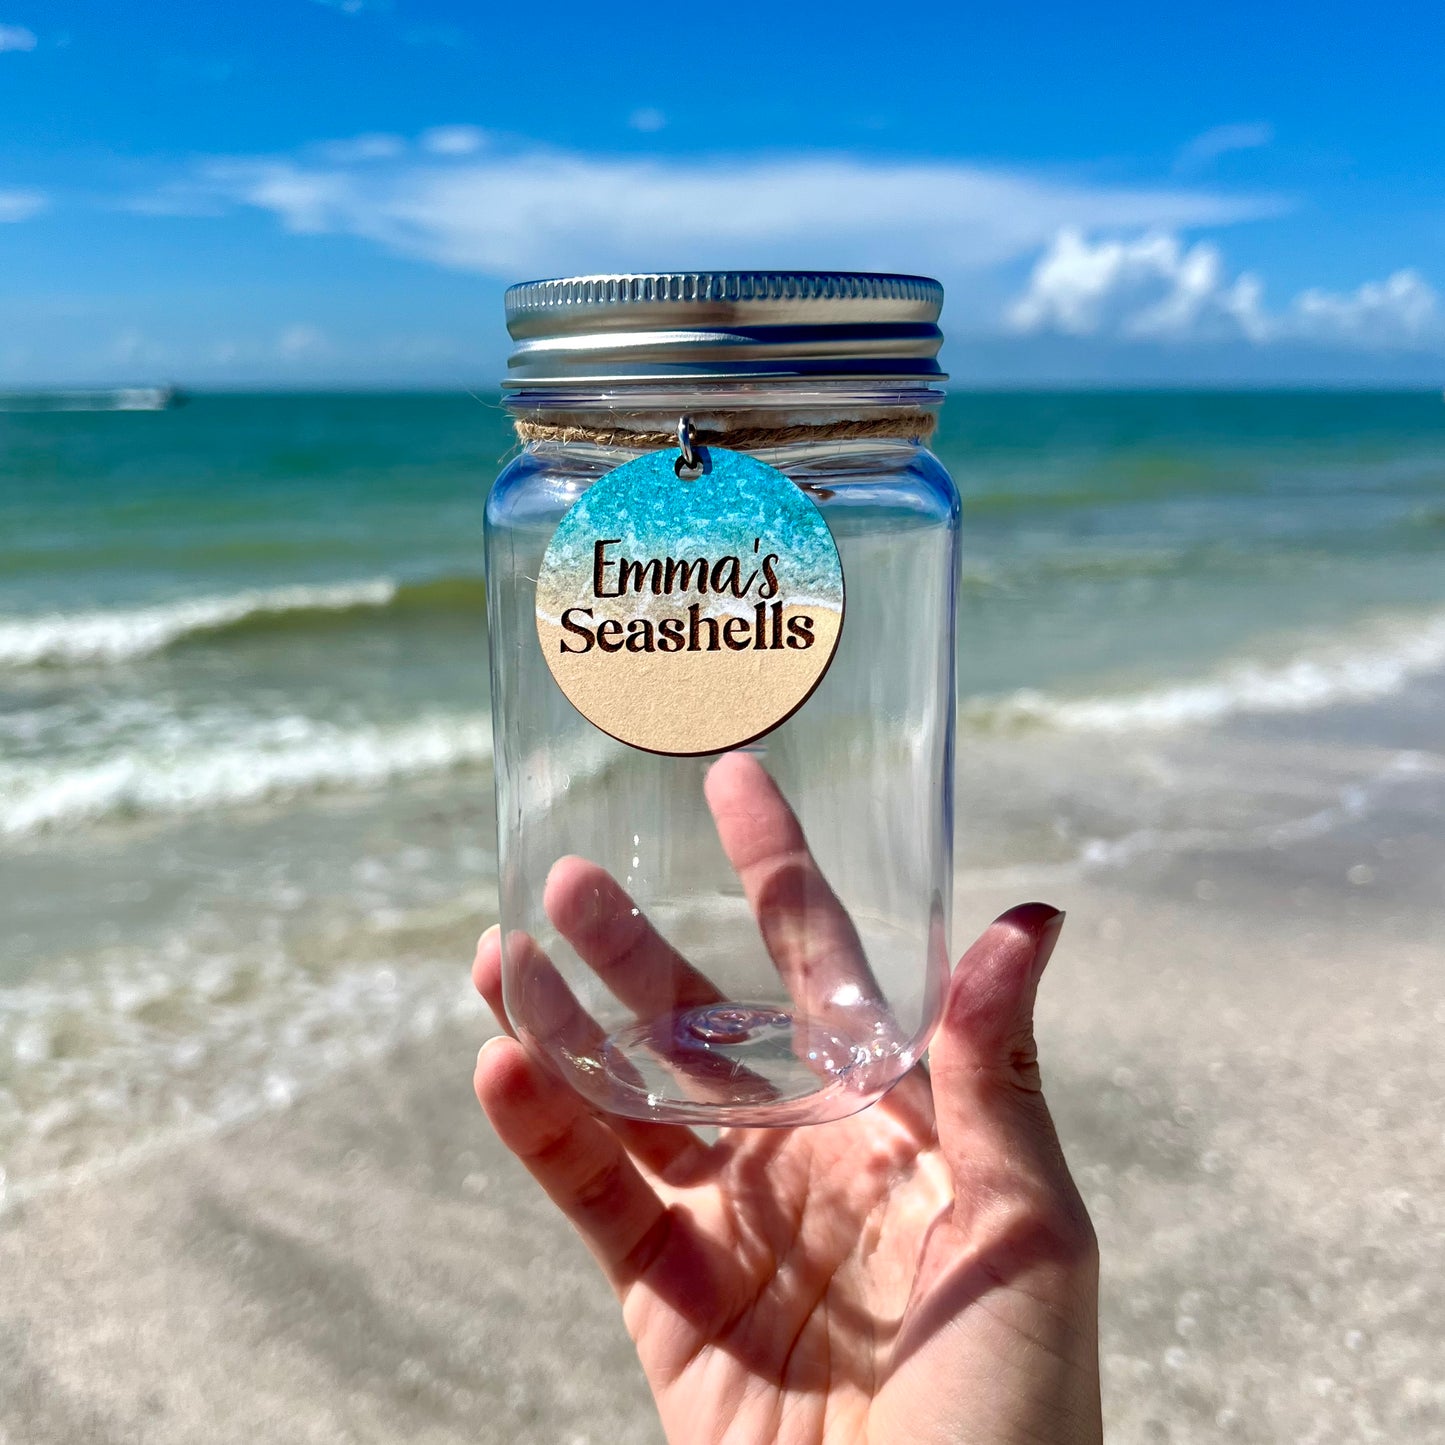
(690, 615)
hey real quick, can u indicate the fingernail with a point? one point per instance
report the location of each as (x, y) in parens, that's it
(488, 932)
(1047, 938)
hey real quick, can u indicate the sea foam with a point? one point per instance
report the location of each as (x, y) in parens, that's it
(1375, 660)
(58, 639)
(263, 762)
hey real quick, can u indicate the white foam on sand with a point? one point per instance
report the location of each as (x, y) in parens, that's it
(147, 1050)
(261, 762)
(1350, 804)
(1376, 660)
(75, 638)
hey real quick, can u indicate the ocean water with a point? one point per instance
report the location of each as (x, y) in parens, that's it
(245, 783)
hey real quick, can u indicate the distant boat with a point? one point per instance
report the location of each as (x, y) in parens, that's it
(121, 398)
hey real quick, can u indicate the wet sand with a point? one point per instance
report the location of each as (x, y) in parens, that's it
(1246, 1077)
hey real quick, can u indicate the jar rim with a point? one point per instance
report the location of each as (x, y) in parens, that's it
(705, 395)
(724, 325)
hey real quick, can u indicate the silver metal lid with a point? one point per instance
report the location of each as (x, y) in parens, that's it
(724, 325)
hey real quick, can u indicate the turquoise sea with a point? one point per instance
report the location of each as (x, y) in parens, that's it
(244, 743)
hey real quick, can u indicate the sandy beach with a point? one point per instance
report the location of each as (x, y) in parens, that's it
(1246, 1091)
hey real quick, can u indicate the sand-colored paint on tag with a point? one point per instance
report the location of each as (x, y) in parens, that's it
(690, 616)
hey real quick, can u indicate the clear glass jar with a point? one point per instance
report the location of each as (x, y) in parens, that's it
(758, 937)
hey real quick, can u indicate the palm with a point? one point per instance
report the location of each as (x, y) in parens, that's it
(921, 1271)
(814, 1243)
(815, 1285)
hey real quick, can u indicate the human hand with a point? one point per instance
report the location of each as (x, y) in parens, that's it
(923, 1271)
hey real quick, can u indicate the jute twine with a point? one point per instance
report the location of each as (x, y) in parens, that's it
(910, 425)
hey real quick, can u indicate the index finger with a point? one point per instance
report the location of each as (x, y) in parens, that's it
(804, 924)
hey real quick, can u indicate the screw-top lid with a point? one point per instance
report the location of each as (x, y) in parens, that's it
(724, 325)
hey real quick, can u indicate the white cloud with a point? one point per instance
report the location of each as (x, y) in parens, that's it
(21, 205)
(1401, 312)
(1154, 287)
(16, 37)
(302, 343)
(648, 119)
(1204, 149)
(370, 147)
(453, 140)
(530, 211)
(129, 346)
(184, 199)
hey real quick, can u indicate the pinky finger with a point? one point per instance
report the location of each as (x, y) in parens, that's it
(578, 1161)
(669, 1150)
(487, 976)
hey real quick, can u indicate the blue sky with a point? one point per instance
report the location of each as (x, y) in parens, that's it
(303, 192)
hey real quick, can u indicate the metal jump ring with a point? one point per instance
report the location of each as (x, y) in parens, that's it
(685, 436)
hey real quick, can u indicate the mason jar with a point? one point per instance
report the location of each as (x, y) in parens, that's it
(725, 865)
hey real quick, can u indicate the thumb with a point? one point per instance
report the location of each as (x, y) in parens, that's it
(993, 1124)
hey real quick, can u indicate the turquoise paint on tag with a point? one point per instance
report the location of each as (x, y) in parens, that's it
(688, 615)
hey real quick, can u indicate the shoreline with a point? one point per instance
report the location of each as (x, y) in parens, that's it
(247, 848)
(367, 1264)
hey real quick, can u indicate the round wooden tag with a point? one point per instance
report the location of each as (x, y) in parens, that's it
(689, 615)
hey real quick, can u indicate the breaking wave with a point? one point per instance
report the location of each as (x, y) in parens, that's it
(264, 762)
(105, 637)
(1373, 662)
